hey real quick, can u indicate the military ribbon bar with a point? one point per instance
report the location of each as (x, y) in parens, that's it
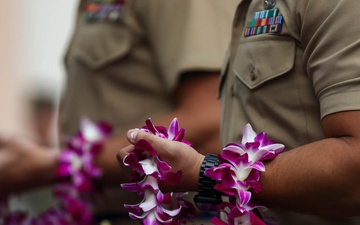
(101, 10)
(266, 21)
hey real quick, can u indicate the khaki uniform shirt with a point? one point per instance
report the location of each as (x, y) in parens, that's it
(124, 71)
(285, 82)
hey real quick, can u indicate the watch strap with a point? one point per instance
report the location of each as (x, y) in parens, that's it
(207, 198)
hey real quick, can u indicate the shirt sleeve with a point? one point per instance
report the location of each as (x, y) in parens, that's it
(330, 34)
(188, 35)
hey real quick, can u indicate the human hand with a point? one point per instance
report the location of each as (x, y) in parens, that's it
(178, 155)
(24, 165)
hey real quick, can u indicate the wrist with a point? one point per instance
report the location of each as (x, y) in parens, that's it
(196, 173)
(48, 163)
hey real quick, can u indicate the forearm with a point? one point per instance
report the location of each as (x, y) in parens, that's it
(44, 173)
(25, 166)
(111, 172)
(198, 111)
(319, 178)
(202, 128)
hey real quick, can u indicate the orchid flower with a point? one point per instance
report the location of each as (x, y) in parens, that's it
(77, 160)
(239, 172)
(172, 133)
(156, 207)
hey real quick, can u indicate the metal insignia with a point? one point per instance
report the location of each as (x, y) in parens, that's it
(269, 4)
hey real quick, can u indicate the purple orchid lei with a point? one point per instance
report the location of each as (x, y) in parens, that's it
(238, 172)
(77, 167)
(156, 208)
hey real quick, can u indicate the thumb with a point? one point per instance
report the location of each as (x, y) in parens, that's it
(156, 142)
(132, 136)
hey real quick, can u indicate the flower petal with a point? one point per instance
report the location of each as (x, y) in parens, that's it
(248, 134)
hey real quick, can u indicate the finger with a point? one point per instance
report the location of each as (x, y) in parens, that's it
(160, 144)
(132, 136)
(120, 155)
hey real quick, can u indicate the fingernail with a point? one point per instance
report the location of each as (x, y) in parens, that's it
(132, 134)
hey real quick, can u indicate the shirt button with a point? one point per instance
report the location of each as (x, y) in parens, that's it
(253, 76)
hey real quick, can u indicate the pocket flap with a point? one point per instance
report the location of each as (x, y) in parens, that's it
(265, 60)
(102, 43)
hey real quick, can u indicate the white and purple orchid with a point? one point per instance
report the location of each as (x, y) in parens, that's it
(239, 172)
(75, 163)
(156, 208)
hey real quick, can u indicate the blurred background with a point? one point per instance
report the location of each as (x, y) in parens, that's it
(33, 41)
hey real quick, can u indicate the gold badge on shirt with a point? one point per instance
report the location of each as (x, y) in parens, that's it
(104, 10)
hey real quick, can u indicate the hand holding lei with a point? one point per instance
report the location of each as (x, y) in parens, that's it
(238, 173)
(156, 207)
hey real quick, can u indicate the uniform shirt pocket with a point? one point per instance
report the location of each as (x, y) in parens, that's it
(261, 60)
(99, 44)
